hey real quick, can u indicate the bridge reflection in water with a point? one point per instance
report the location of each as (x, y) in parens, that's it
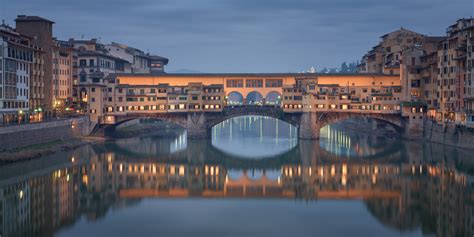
(412, 187)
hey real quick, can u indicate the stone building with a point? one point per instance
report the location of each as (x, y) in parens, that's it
(63, 60)
(140, 61)
(452, 63)
(41, 31)
(16, 65)
(388, 52)
(420, 69)
(469, 81)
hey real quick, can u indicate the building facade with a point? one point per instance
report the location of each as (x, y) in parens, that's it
(63, 61)
(469, 81)
(452, 61)
(41, 31)
(388, 53)
(140, 61)
(437, 71)
(16, 60)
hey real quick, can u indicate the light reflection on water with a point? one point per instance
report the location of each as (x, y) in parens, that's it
(149, 186)
(346, 143)
(254, 136)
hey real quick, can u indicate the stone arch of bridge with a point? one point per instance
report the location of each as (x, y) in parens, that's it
(287, 118)
(178, 121)
(332, 118)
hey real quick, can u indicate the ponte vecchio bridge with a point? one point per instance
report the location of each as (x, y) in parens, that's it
(197, 102)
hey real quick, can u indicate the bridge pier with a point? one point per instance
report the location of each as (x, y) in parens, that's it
(413, 128)
(309, 126)
(197, 127)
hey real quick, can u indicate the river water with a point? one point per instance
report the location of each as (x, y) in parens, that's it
(253, 178)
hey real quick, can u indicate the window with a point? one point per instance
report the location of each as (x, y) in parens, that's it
(254, 83)
(275, 83)
(235, 83)
(91, 62)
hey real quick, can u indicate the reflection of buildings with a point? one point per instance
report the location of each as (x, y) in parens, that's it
(405, 196)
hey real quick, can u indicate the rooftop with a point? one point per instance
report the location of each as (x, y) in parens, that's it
(297, 75)
(25, 18)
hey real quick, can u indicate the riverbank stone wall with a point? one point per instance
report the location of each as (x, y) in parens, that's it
(12, 137)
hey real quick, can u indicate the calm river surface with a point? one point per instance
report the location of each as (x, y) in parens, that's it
(253, 178)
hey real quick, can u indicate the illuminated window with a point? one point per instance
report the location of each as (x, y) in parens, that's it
(206, 106)
(345, 106)
(172, 107)
(333, 106)
(182, 106)
(320, 106)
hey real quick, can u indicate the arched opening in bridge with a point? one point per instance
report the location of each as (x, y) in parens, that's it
(235, 98)
(360, 137)
(273, 98)
(254, 136)
(254, 98)
(135, 135)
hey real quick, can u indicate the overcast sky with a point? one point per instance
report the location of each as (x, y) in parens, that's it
(243, 35)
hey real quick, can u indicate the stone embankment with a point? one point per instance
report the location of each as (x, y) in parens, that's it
(449, 134)
(28, 141)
